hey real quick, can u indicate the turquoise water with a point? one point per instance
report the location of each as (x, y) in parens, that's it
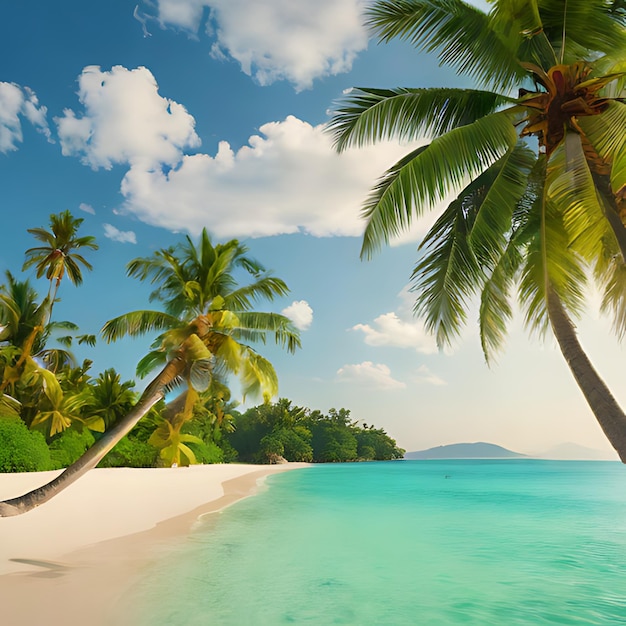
(411, 542)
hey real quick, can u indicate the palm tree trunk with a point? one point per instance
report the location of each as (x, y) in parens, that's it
(607, 411)
(153, 393)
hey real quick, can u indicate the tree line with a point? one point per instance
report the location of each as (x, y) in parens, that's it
(272, 433)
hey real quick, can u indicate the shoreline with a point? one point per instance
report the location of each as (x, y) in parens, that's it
(75, 569)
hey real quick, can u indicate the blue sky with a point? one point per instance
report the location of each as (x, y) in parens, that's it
(156, 119)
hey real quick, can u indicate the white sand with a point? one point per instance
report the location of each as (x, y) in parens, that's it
(80, 550)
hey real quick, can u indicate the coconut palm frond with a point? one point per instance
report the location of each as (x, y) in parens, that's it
(369, 115)
(570, 186)
(257, 376)
(137, 323)
(152, 360)
(285, 333)
(549, 264)
(495, 301)
(264, 288)
(589, 28)
(460, 34)
(429, 173)
(448, 274)
(509, 181)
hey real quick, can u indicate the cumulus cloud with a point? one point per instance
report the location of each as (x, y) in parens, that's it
(424, 375)
(87, 208)
(287, 179)
(123, 236)
(16, 103)
(390, 330)
(367, 373)
(287, 39)
(183, 14)
(274, 40)
(125, 120)
(300, 313)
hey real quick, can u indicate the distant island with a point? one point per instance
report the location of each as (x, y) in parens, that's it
(479, 450)
(482, 450)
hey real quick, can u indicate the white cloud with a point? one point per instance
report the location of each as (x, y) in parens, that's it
(367, 373)
(424, 375)
(390, 330)
(289, 39)
(300, 313)
(184, 14)
(87, 208)
(272, 40)
(123, 236)
(19, 102)
(125, 120)
(287, 179)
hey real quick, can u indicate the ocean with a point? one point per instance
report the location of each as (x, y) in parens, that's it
(430, 543)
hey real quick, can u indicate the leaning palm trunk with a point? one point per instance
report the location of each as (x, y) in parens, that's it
(153, 393)
(610, 416)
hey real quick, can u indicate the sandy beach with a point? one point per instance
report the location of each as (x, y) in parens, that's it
(69, 561)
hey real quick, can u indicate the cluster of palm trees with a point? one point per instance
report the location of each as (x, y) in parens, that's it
(536, 156)
(207, 330)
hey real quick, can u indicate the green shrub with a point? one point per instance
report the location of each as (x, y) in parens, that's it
(69, 446)
(22, 450)
(207, 452)
(131, 453)
(230, 454)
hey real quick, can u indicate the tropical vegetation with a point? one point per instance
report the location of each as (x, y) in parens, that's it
(273, 433)
(531, 165)
(54, 413)
(207, 331)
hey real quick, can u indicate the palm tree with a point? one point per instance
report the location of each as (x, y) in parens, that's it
(27, 365)
(205, 305)
(57, 257)
(207, 323)
(540, 173)
(112, 398)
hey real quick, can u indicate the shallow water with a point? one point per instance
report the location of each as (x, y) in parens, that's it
(405, 542)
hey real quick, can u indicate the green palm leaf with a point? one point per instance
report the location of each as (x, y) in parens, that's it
(495, 301)
(614, 296)
(9, 406)
(460, 34)
(571, 188)
(264, 288)
(152, 360)
(549, 264)
(370, 115)
(255, 325)
(506, 183)
(607, 134)
(257, 376)
(137, 323)
(589, 27)
(448, 274)
(429, 173)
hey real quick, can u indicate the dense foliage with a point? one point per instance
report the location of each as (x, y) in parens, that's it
(54, 412)
(22, 450)
(278, 432)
